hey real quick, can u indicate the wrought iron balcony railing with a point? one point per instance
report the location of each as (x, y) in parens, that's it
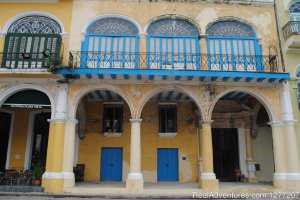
(170, 61)
(290, 29)
(28, 60)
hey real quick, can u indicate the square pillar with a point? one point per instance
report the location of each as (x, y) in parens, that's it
(250, 163)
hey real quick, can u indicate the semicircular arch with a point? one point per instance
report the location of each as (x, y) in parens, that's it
(104, 16)
(32, 13)
(82, 92)
(263, 100)
(14, 89)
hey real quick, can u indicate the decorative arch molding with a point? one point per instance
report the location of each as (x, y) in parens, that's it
(147, 96)
(26, 14)
(291, 3)
(17, 88)
(103, 16)
(297, 72)
(82, 92)
(173, 16)
(231, 18)
(266, 103)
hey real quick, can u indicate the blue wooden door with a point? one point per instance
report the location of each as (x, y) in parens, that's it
(111, 164)
(167, 164)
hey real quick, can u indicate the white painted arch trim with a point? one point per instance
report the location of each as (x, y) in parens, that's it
(85, 90)
(12, 120)
(20, 87)
(232, 18)
(255, 93)
(30, 133)
(173, 16)
(103, 16)
(29, 13)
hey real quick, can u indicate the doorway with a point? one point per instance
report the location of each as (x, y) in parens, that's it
(225, 153)
(40, 138)
(5, 122)
(111, 164)
(167, 164)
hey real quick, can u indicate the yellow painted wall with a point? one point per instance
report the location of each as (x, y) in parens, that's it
(202, 14)
(185, 141)
(264, 143)
(292, 63)
(19, 139)
(90, 147)
(62, 10)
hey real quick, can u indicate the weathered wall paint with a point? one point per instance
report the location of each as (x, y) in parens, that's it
(185, 141)
(264, 143)
(262, 18)
(19, 138)
(291, 60)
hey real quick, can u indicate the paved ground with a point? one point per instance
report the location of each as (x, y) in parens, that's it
(43, 196)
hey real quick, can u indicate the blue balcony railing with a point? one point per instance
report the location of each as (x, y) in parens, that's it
(170, 61)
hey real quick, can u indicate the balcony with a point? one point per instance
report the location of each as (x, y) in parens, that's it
(161, 66)
(291, 34)
(29, 62)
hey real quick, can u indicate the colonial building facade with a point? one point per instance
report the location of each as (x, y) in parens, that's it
(146, 92)
(288, 20)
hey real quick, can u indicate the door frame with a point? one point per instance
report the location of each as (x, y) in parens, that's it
(100, 177)
(12, 120)
(157, 179)
(28, 151)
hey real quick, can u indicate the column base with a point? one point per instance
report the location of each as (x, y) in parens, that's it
(55, 182)
(55, 186)
(209, 185)
(252, 180)
(135, 183)
(293, 182)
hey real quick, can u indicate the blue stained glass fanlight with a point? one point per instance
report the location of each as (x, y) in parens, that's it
(230, 29)
(112, 26)
(295, 7)
(175, 27)
(35, 24)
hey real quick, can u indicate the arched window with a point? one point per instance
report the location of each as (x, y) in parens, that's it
(173, 44)
(30, 40)
(110, 43)
(233, 46)
(294, 11)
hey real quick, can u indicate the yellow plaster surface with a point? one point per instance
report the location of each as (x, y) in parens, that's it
(19, 139)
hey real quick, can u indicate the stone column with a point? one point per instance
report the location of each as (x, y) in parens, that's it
(54, 176)
(292, 153)
(250, 163)
(208, 179)
(69, 146)
(135, 181)
(279, 154)
(200, 161)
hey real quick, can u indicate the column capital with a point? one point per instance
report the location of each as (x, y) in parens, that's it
(275, 123)
(57, 121)
(135, 120)
(205, 122)
(289, 122)
(72, 121)
(143, 35)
